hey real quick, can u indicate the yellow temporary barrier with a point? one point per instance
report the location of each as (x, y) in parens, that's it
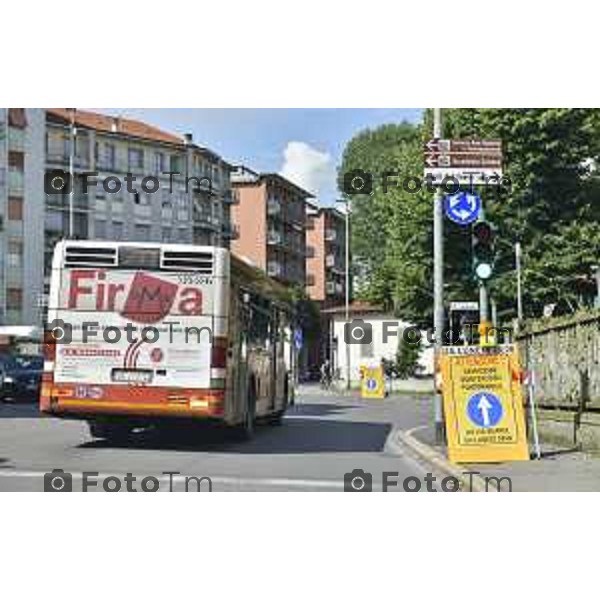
(483, 404)
(372, 382)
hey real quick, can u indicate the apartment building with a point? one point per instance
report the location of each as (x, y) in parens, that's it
(326, 275)
(191, 205)
(271, 219)
(326, 260)
(21, 214)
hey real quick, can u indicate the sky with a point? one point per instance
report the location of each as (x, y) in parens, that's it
(304, 145)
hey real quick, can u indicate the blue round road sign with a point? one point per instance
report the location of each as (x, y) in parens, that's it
(463, 207)
(484, 409)
(371, 385)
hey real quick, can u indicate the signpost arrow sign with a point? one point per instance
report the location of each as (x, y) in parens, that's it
(484, 407)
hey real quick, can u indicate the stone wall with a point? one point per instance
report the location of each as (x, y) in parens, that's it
(565, 357)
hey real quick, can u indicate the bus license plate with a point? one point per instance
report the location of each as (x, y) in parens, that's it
(131, 376)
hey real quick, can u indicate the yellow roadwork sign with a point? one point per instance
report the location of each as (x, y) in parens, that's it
(483, 404)
(372, 382)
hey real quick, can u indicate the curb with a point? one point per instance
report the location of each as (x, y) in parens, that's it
(405, 439)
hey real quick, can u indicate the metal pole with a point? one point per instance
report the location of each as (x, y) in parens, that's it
(519, 289)
(531, 392)
(596, 270)
(347, 311)
(72, 173)
(483, 303)
(438, 282)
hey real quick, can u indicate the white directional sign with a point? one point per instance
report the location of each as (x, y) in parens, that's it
(470, 161)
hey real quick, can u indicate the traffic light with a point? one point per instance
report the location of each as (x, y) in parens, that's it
(483, 238)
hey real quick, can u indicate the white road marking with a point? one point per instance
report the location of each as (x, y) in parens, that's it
(273, 482)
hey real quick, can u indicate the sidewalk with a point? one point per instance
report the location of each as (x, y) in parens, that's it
(559, 470)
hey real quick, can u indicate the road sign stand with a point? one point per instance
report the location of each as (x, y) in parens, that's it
(532, 413)
(483, 402)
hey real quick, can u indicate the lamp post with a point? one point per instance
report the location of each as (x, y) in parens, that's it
(72, 138)
(438, 282)
(347, 286)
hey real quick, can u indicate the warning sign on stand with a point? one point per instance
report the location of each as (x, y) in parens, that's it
(483, 404)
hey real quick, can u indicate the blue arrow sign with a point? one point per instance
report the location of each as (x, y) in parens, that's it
(462, 208)
(298, 338)
(484, 409)
(371, 385)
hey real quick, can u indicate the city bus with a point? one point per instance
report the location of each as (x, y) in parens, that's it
(144, 334)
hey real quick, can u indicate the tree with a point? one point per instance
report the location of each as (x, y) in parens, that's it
(550, 206)
(407, 357)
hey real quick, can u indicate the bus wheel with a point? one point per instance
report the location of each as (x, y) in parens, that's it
(277, 417)
(114, 432)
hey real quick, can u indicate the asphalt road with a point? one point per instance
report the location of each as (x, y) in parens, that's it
(321, 439)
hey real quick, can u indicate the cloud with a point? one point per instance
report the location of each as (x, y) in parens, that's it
(309, 168)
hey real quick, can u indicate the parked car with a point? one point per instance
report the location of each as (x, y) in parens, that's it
(20, 376)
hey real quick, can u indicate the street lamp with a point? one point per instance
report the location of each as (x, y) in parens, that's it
(72, 142)
(348, 210)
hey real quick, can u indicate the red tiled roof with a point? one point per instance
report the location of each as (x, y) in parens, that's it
(358, 306)
(105, 123)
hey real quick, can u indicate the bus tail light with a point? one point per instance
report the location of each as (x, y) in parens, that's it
(46, 388)
(49, 350)
(219, 353)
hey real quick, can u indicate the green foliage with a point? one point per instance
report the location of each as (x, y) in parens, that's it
(407, 357)
(551, 207)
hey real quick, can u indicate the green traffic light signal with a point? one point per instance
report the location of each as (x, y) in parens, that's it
(483, 238)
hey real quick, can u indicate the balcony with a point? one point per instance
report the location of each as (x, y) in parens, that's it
(230, 231)
(204, 220)
(61, 159)
(273, 207)
(231, 197)
(274, 238)
(330, 235)
(61, 201)
(201, 185)
(105, 165)
(274, 268)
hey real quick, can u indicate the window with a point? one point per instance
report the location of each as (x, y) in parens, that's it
(15, 208)
(14, 298)
(110, 154)
(176, 163)
(166, 234)
(117, 229)
(54, 221)
(141, 199)
(15, 253)
(17, 118)
(142, 233)
(136, 158)
(100, 229)
(16, 161)
(159, 162)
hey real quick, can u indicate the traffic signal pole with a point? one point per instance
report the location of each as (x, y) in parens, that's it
(438, 283)
(484, 313)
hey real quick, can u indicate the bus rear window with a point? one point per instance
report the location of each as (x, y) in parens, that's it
(139, 258)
